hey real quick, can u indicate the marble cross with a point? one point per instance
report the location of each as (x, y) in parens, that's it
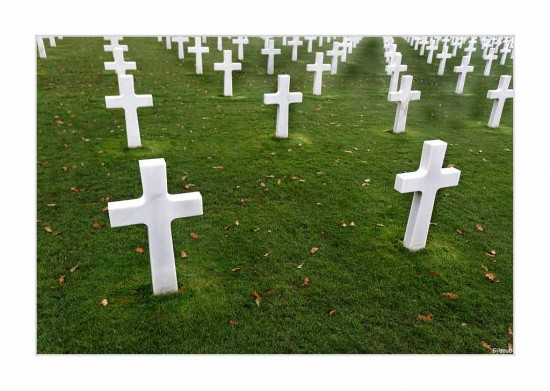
(295, 42)
(227, 66)
(266, 39)
(471, 46)
(390, 53)
(198, 49)
(240, 41)
(51, 40)
(318, 68)
(159, 38)
(334, 53)
(284, 40)
(168, 43)
(425, 182)
(220, 43)
(156, 208)
(270, 51)
(41, 47)
(320, 41)
(463, 70)
(282, 98)
(443, 56)
(490, 57)
(504, 51)
(130, 102)
(403, 97)
(309, 39)
(180, 40)
(393, 69)
(455, 43)
(114, 43)
(499, 95)
(119, 65)
(423, 43)
(431, 48)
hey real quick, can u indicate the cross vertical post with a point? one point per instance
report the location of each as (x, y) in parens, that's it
(282, 98)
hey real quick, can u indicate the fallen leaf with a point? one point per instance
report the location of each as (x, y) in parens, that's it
(243, 200)
(479, 228)
(105, 199)
(233, 322)
(189, 185)
(459, 232)
(491, 253)
(352, 224)
(183, 178)
(332, 312)
(64, 169)
(267, 254)
(485, 268)
(450, 295)
(301, 265)
(510, 332)
(75, 189)
(52, 204)
(183, 254)
(139, 250)
(217, 168)
(256, 295)
(427, 318)
(182, 289)
(73, 269)
(486, 346)
(379, 225)
(61, 279)
(314, 250)
(104, 302)
(511, 347)
(236, 269)
(58, 121)
(194, 235)
(96, 225)
(48, 230)
(257, 302)
(491, 277)
(464, 324)
(85, 139)
(237, 222)
(279, 182)
(450, 165)
(105, 209)
(343, 224)
(305, 284)
(433, 273)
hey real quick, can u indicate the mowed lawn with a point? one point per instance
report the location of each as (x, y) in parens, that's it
(267, 204)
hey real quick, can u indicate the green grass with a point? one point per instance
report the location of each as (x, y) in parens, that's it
(336, 141)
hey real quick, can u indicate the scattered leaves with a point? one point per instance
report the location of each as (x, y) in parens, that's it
(194, 235)
(104, 302)
(314, 250)
(332, 312)
(139, 250)
(479, 228)
(243, 200)
(257, 298)
(183, 254)
(305, 284)
(427, 318)
(58, 121)
(450, 295)
(486, 346)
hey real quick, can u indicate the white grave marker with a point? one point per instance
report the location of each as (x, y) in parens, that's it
(156, 208)
(318, 68)
(490, 57)
(227, 67)
(320, 41)
(443, 56)
(431, 48)
(309, 39)
(119, 65)
(130, 102)
(425, 182)
(295, 42)
(334, 53)
(114, 43)
(41, 47)
(499, 95)
(271, 52)
(504, 51)
(180, 40)
(240, 41)
(198, 50)
(282, 98)
(220, 43)
(463, 70)
(394, 69)
(403, 97)
(168, 43)
(471, 46)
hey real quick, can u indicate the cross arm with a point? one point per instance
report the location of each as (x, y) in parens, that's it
(130, 212)
(185, 205)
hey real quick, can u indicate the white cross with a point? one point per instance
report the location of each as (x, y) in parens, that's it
(320, 41)
(445, 40)
(423, 43)
(41, 47)
(471, 46)
(220, 43)
(295, 42)
(425, 182)
(500, 95)
(347, 48)
(130, 102)
(114, 43)
(168, 43)
(318, 68)
(240, 41)
(489, 58)
(455, 42)
(443, 56)
(159, 38)
(463, 69)
(334, 53)
(394, 69)
(390, 53)
(271, 52)
(227, 67)
(284, 40)
(180, 40)
(51, 40)
(156, 208)
(266, 39)
(504, 51)
(204, 39)
(282, 98)
(309, 39)
(433, 46)
(403, 97)
(198, 50)
(119, 65)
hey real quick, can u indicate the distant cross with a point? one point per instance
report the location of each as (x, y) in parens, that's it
(220, 43)
(282, 98)
(390, 53)
(504, 51)
(119, 65)
(51, 40)
(471, 46)
(130, 102)
(443, 56)
(156, 208)
(180, 40)
(499, 95)
(425, 182)
(41, 47)
(431, 48)
(490, 57)
(347, 48)
(227, 66)
(159, 38)
(320, 41)
(204, 39)
(295, 42)
(328, 39)
(309, 39)
(423, 44)
(343, 51)
(454, 43)
(394, 69)
(266, 39)
(168, 43)
(445, 40)
(318, 68)
(416, 42)
(198, 50)
(284, 40)
(240, 41)
(271, 52)
(334, 53)
(403, 97)
(463, 70)
(114, 43)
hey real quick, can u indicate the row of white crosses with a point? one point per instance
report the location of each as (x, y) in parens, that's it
(40, 43)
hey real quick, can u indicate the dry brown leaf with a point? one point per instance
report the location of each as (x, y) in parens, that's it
(73, 269)
(485, 268)
(450, 165)
(257, 302)
(379, 225)
(491, 277)
(52, 204)
(96, 225)
(486, 346)
(189, 185)
(433, 273)
(105, 209)
(64, 168)
(314, 250)
(511, 347)
(267, 254)
(218, 168)
(243, 200)
(510, 332)
(479, 228)
(343, 224)
(459, 232)
(450, 295)
(233, 322)
(48, 230)
(352, 224)
(305, 284)
(58, 121)
(332, 312)
(194, 235)
(182, 289)
(491, 253)
(139, 250)
(183, 178)
(183, 254)
(236, 269)
(256, 295)
(301, 265)
(427, 318)
(464, 324)
(61, 279)
(104, 302)
(237, 222)
(105, 199)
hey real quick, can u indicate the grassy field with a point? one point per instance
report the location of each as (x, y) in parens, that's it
(267, 203)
